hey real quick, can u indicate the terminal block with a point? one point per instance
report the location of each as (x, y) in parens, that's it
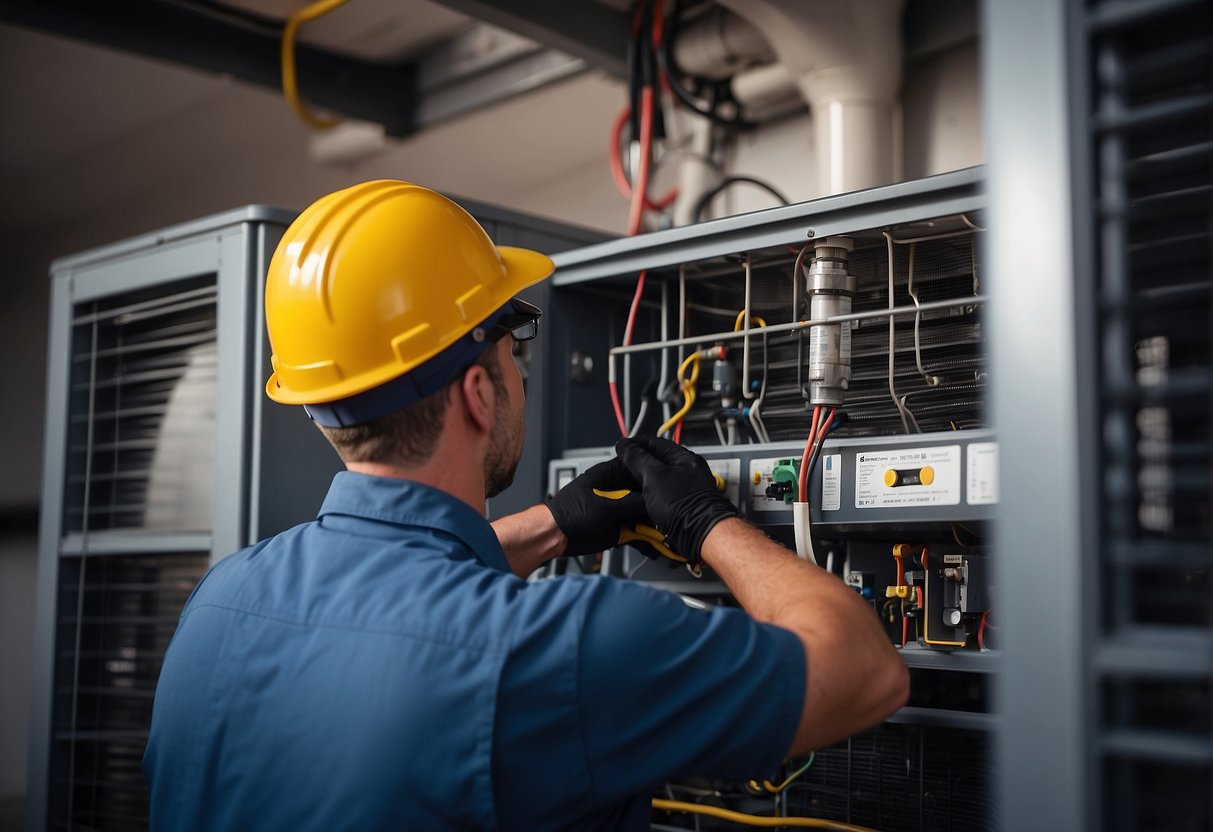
(784, 480)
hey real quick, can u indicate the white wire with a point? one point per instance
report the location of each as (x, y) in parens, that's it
(719, 430)
(664, 379)
(929, 379)
(901, 408)
(644, 411)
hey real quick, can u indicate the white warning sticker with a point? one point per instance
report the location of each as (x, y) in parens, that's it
(831, 482)
(981, 462)
(909, 477)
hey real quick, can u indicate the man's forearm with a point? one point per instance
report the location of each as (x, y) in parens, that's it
(529, 538)
(854, 674)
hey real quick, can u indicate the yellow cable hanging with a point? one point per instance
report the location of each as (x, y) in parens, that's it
(290, 83)
(688, 390)
(756, 820)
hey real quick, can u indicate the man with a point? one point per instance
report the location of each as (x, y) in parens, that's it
(387, 667)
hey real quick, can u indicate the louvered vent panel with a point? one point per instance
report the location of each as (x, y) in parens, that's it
(141, 435)
(116, 615)
(1150, 65)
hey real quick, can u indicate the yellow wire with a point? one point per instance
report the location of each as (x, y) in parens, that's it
(688, 391)
(741, 316)
(755, 820)
(290, 83)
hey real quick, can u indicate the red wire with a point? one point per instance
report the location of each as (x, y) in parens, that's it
(638, 194)
(981, 630)
(803, 480)
(678, 434)
(623, 427)
(617, 172)
(635, 219)
(641, 187)
(627, 339)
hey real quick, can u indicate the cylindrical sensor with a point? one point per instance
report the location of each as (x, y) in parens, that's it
(831, 290)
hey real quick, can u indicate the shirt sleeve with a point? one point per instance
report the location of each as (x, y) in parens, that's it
(668, 691)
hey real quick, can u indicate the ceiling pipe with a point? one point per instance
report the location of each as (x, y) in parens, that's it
(717, 44)
(846, 57)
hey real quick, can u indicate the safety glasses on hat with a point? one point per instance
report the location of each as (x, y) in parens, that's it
(521, 323)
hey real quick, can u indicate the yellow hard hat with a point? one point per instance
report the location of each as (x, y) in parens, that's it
(382, 281)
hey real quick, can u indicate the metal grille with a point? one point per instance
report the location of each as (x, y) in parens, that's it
(141, 430)
(900, 777)
(896, 778)
(116, 616)
(1149, 70)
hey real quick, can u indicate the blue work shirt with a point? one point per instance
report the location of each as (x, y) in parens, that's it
(382, 668)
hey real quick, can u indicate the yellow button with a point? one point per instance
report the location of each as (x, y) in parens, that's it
(757, 477)
(890, 478)
(926, 475)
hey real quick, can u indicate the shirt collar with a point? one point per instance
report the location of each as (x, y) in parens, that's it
(409, 503)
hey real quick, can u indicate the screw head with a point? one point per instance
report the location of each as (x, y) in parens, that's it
(810, 233)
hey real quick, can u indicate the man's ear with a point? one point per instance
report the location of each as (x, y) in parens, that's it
(478, 396)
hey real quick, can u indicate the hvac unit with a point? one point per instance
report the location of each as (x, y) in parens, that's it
(163, 455)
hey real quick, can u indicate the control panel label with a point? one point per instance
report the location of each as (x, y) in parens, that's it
(831, 482)
(910, 477)
(982, 464)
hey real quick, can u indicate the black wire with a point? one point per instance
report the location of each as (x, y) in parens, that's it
(669, 67)
(728, 182)
(839, 418)
(635, 74)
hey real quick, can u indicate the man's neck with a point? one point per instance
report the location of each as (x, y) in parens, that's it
(446, 476)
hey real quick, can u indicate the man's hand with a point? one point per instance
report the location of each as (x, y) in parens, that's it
(679, 491)
(592, 521)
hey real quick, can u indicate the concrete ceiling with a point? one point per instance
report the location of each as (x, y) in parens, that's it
(84, 126)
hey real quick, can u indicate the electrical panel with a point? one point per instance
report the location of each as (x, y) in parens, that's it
(868, 307)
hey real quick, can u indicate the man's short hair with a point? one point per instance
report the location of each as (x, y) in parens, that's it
(408, 436)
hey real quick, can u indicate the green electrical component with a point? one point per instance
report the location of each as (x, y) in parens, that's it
(783, 480)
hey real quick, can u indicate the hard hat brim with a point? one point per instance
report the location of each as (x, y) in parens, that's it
(525, 267)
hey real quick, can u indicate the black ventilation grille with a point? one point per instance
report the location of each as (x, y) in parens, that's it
(895, 778)
(1151, 148)
(142, 410)
(116, 616)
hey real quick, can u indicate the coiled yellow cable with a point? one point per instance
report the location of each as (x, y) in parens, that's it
(688, 390)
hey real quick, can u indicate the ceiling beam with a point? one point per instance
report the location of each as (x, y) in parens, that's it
(246, 49)
(582, 28)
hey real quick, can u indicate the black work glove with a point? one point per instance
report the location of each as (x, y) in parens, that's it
(679, 491)
(592, 522)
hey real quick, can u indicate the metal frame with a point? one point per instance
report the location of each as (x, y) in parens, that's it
(958, 192)
(1038, 337)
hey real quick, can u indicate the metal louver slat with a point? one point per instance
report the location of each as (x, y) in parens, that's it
(1151, 148)
(144, 380)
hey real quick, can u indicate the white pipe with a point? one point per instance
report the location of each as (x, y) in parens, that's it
(718, 43)
(696, 172)
(846, 59)
(767, 91)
